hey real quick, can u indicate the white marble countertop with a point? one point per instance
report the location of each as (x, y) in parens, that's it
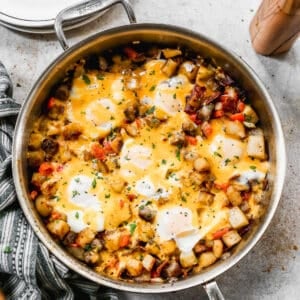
(271, 270)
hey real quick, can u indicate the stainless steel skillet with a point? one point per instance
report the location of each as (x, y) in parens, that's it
(166, 35)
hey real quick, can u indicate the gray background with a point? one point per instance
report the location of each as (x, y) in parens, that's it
(271, 270)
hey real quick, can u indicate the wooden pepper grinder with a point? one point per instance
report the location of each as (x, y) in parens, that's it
(275, 26)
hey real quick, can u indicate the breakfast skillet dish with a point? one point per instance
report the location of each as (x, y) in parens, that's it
(148, 163)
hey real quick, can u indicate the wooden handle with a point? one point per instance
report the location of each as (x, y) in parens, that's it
(275, 26)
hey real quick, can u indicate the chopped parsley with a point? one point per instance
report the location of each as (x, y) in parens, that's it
(253, 168)
(7, 249)
(77, 180)
(55, 197)
(217, 154)
(227, 161)
(88, 247)
(152, 72)
(86, 79)
(100, 77)
(75, 193)
(132, 227)
(183, 199)
(153, 146)
(77, 215)
(107, 196)
(163, 162)
(174, 96)
(94, 183)
(150, 110)
(178, 153)
(152, 88)
(145, 204)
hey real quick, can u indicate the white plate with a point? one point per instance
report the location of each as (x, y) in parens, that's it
(37, 16)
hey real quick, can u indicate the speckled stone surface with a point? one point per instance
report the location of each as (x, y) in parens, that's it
(271, 270)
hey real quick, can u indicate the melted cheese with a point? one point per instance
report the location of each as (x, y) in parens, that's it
(151, 167)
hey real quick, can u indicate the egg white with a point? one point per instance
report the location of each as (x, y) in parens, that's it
(176, 223)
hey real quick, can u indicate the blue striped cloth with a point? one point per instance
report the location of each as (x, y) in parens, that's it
(27, 269)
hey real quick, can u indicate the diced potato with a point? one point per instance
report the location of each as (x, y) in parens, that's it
(58, 228)
(231, 238)
(145, 231)
(72, 131)
(91, 257)
(76, 252)
(217, 248)
(85, 236)
(201, 164)
(43, 207)
(205, 198)
(237, 218)
(240, 185)
(168, 53)
(35, 158)
(250, 115)
(148, 262)
(134, 267)
(131, 129)
(169, 68)
(190, 155)
(203, 74)
(168, 247)
(35, 141)
(116, 144)
(49, 187)
(234, 196)
(256, 147)
(116, 269)
(187, 259)
(112, 240)
(235, 128)
(206, 259)
(117, 184)
(152, 248)
(189, 69)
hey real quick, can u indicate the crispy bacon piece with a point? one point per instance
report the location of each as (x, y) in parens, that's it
(230, 100)
(198, 98)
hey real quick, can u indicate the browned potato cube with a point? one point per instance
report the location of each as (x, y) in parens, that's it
(250, 115)
(206, 259)
(256, 147)
(42, 205)
(148, 262)
(168, 247)
(237, 218)
(235, 128)
(85, 236)
(205, 198)
(112, 240)
(189, 69)
(234, 196)
(231, 238)
(168, 53)
(217, 248)
(201, 164)
(134, 267)
(58, 228)
(187, 259)
(169, 68)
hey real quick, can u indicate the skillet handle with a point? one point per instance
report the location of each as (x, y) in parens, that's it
(213, 291)
(92, 6)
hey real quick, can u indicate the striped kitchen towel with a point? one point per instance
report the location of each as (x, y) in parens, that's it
(27, 269)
